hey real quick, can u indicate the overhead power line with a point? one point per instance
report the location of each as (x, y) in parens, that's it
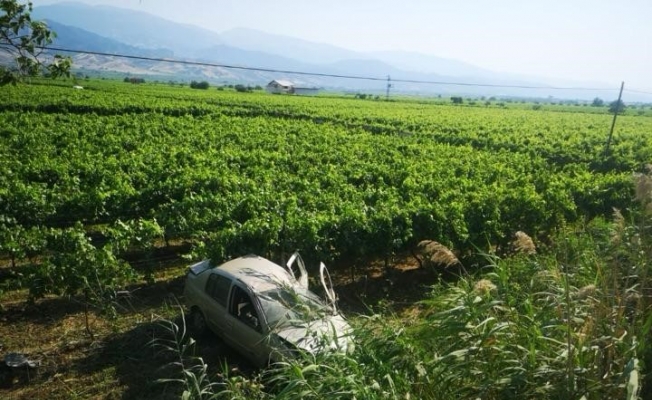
(206, 64)
(638, 91)
(327, 75)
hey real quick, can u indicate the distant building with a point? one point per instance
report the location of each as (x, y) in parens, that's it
(279, 86)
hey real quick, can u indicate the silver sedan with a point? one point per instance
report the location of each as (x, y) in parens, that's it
(264, 311)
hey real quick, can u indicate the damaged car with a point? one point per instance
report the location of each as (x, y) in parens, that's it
(264, 311)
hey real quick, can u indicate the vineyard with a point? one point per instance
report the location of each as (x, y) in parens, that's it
(337, 177)
(95, 182)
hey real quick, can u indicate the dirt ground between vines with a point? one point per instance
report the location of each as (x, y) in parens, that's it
(119, 359)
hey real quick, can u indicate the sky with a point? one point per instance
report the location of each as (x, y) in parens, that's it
(598, 41)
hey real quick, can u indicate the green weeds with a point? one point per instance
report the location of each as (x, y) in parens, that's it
(572, 322)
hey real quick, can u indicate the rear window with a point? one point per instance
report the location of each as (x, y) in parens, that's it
(218, 287)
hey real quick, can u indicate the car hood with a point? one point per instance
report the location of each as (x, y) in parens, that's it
(329, 333)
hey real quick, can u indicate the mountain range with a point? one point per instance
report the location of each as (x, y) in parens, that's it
(114, 30)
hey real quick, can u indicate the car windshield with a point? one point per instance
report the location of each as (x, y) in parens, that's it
(286, 304)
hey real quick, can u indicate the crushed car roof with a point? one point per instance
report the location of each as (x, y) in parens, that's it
(258, 273)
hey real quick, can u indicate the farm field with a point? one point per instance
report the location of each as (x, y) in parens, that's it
(121, 186)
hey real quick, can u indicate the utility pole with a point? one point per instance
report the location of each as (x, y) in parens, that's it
(389, 85)
(613, 122)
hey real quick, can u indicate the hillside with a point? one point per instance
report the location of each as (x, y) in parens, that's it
(149, 35)
(134, 28)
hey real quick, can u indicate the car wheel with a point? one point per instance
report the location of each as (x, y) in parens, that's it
(198, 325)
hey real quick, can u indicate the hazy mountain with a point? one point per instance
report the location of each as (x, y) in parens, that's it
(364, 67)
(418, 62)
(115, 30)
(320, 53)
(299, 49)
(70, 37)
(223, 54)
(134, 28)
(243, 46)
(398, 64)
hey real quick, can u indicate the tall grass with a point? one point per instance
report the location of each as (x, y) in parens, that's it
(191, 373)
(570, 322)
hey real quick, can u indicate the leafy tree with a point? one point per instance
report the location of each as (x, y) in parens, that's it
(241, 88)
(21, 39)
(617, 106)
(457, 100)
(199, 85)
(597, 102)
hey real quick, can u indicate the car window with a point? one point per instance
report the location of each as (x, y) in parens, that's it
(243, 308)
(217, 287)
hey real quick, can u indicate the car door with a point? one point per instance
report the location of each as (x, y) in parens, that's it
(327, 283)
(245, 326)
(303, 275)
(217, 292)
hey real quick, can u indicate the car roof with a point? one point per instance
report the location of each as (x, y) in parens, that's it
(257, 272)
